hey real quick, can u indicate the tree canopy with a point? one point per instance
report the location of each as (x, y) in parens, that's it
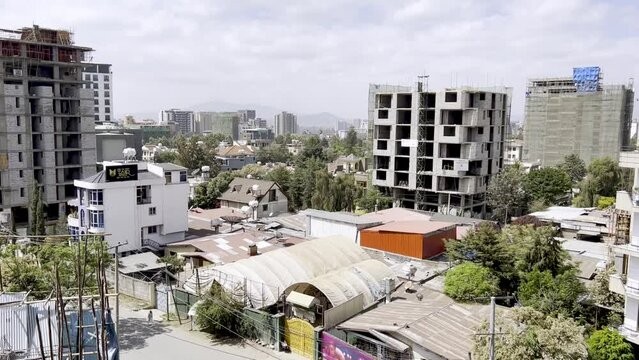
(608, 344)
(470, 282)
(574, 167)
(547, 184)
(506, 194)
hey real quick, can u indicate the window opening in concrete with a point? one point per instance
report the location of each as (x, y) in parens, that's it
(403, 117)
(383, 131)
(450, 97)
(452, 117)
(401, 150)
(482, 96)
(382, 114)
(384, 100)
(402, 132)
(382, 162)
(404, 101)
(402, 164)
(449, 131)
(401, 179)
(382, 145)
(448, 164)
(380, 175)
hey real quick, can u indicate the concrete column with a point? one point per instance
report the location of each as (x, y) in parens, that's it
(278, 319)
(317, 339)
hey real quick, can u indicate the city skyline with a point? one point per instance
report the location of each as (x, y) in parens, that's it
(311, 58)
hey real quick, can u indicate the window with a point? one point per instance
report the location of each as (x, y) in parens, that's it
(96, 94)
(97, 218)
(19, 139)
(107, 94)
(17, 120)
(480, 130)
(21, 192)
(144, 194)
(106, 86)
(167, 177)
(96, 110)
(87, 77)
(107, 117)
(17, 102)
(265, 207)
(450, 97)
(482, 96)
(96, 102)
(96, 86)
(272, 195)
(96, 117)
(182, 176)
(107, 102)
(21, 173)
(106, 77)
(95, 197)
(20, 157)
(95, 77)
(107, 110)
(152, 211)
(152, 229)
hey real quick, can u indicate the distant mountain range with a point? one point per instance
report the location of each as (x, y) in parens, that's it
(319, 120)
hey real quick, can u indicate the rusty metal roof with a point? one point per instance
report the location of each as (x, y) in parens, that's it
(412, 227)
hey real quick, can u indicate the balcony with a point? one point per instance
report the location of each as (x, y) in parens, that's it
(152, 245)
(73, 221)
(629, 159)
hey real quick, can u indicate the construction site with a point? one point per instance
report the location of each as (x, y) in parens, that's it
(576, 115)
(437, 151)
(47, 133)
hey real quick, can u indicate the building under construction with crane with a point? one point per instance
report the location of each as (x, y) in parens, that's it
(437, 150)
(47, 131)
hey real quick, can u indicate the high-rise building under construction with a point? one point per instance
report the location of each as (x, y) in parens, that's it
(576, 115)
(437, 150)
(47, 132)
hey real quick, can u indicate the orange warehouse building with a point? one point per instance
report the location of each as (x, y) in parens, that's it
(417, 239)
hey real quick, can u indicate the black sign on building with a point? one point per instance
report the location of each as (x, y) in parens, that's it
(121, 173)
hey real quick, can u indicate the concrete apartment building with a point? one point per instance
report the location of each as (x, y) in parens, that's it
(576, 115)
(101, 81)
(436, 151)
(184, 119)
(626, 281)
(46, 119)
(285, 123)
(227, 123)
(143, 204)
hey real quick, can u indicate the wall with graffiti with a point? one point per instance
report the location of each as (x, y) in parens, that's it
(336, 349)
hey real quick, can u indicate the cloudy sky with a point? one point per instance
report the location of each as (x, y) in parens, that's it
(314, 56)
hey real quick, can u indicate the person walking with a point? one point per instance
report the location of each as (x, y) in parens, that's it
(149, 317)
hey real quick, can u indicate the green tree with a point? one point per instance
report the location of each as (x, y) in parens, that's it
(352, 143)
(608, 344)
(273, 153)
(372, 199)
(547, 184)
(605, 175)
(604, 202)
(540, 250)
(537, 205)
(313, 148)
(574, 167)
(165, 157)
(551, 295)
(193, 153)
(36, 208)
(506, 194)
(174, 263)
(221, 315)
(206, 194)
(529, 334)
(470, 282)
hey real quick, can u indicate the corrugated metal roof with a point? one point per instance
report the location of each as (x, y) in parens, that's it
(278, 270)
(146, 261)
(12, 297)
(170, 167)
(411, 227)
(436, 323)
(344, 217)
(240, 190)
(299, 299)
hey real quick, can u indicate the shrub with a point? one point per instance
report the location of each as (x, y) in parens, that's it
(469, 281)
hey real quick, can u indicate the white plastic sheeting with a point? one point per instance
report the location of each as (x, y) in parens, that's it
(262, 279)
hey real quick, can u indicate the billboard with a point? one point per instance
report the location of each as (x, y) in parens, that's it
(124, 172)
(586, 79)
(335, 349)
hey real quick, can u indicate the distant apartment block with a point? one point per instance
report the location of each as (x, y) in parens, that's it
(437, 151)
(246, 115)
(184, 119)
(100, 80)
(576, 115)
(285, 123)
(47, 131)
(227, 123)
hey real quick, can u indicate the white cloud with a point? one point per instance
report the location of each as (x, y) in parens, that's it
(321, 55)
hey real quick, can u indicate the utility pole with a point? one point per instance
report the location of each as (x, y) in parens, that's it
(117, 284)
(491, 331)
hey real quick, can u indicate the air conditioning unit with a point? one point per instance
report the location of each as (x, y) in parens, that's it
(17, 72)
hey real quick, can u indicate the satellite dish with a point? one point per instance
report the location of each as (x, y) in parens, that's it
(253, 203)
(206, 168)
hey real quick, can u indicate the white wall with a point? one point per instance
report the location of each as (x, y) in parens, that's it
(631, 313)
(318, 228)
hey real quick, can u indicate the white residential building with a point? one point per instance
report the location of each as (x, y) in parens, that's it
(437, 151)
(140, 204)
(101, 83)
(628, 205)
(261, 197)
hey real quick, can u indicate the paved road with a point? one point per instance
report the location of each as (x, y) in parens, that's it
(141, 340)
